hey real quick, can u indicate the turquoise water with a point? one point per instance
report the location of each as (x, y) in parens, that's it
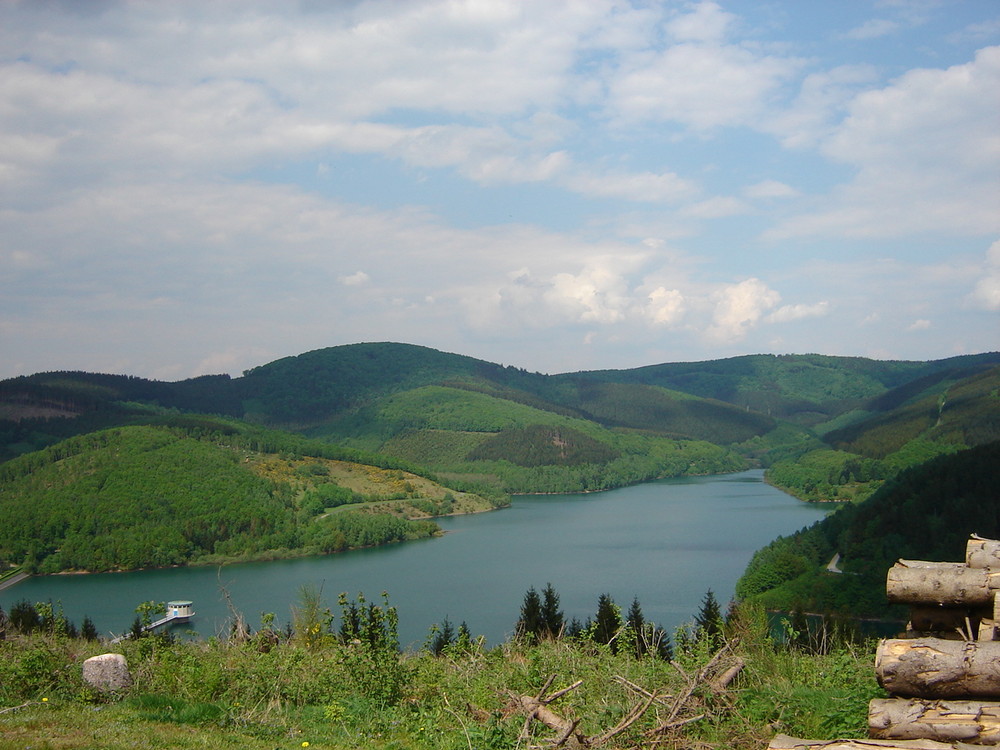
(665, 542)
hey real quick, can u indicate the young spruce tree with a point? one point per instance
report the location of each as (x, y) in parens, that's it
(552, 617)
(608, 622)
(708, 622)
(530, 624)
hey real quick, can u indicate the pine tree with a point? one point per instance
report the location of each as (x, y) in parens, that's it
(608, 622)
(664, 648)
(442, 637)
(24, 618)
(137, 630)
(464, 640)
(637, 624)
(708, 621)
(530, 625)
(575, 628)
(88, 630)
(551, 616)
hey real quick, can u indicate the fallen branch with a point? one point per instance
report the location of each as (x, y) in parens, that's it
(723, 680)
(661, 699)
(23, 705)
(682, 700)
(536, 708)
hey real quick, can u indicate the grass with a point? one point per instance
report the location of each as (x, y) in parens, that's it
(270, 692)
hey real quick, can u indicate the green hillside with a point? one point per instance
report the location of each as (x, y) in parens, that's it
(938, 415)
(924, 513)
(470, 435)
(522, 431)
(806, 388)
(202, 491)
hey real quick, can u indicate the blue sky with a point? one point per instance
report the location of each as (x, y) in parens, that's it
(202, 187)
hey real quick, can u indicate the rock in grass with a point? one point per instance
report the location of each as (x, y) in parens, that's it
(107, 673)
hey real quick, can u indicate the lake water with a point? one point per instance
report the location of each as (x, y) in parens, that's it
(665, 542)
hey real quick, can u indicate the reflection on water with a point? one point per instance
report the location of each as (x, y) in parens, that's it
(664, 542)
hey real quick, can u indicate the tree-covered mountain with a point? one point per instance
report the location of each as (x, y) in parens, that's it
(809, 389)
(524, 431)
(924, 513)
(932, 416)
(197, 490)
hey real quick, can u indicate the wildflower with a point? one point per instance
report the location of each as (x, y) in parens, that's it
(305, 744)
(45, 700)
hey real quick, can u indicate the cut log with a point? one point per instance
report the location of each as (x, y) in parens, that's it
(781, 742)
(946, 721)
(945, 584)
(982, 553)
(937, 668)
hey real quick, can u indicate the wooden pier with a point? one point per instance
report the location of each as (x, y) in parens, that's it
(177, 611)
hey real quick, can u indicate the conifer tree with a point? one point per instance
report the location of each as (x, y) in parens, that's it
(607, 622)
(24, 618)
(464, 639)
(530, 625)
(637, 624)
(443, 637)
(575, 628)
(88, 630)
(708, 621)
(551, 616)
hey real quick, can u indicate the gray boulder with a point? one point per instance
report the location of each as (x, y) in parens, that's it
(107, 673)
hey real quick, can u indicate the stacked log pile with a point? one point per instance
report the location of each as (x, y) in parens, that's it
(944, 672)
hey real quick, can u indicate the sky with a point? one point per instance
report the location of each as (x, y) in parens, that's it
(202, 187)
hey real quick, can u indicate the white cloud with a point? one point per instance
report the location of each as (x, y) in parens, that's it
(359, 278)
(596, 295)
(873, 29)
(666, 306)
(787, 313)
(927, 153)
(919, 325)
(770, 189)
(700, 86)
(986, 294)
(643, 187)
(707, 22)
(821, 102)
(716, 208)
(739, 308)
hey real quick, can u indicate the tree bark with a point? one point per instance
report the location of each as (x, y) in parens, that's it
(982, 553)
(938, 668)
(781, 742)
(945, 721)
(945, 584)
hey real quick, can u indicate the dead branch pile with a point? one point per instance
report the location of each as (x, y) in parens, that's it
(671, 712)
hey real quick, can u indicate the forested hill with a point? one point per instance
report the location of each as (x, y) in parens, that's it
(924, 513)
(522, 431)
(806, 388)
(201, 491)
(935, 415)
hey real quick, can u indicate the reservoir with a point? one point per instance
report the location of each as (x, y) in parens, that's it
(666, 543)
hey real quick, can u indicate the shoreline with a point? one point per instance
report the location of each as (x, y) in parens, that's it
(267, 556)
